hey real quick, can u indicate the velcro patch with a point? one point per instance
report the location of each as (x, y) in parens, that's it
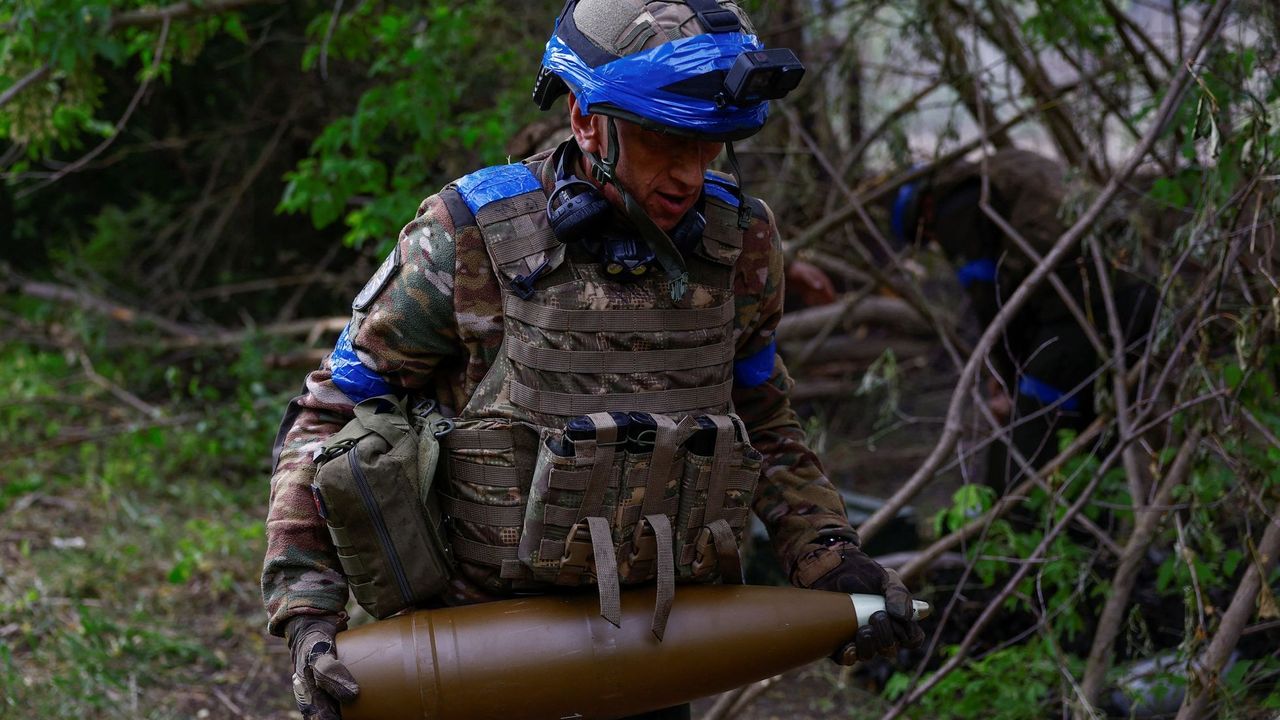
(378, 282)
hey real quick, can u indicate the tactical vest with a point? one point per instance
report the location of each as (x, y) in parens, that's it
(656, 480)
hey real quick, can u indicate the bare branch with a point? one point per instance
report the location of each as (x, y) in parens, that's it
(1209, 666)
(179, 11)
(1126, 575)
(952, 427)
(12, 91)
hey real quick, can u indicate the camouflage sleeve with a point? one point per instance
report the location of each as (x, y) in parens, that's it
(403, 329)
(794, 498)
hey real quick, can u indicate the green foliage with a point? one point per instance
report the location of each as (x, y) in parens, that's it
(968, 502)
(107, 615)
(1012, 683)
(63, 109)
(442, 100)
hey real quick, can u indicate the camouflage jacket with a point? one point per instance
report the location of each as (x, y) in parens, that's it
(436, 327)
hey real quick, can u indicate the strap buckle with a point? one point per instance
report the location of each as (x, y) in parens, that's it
(715, 18)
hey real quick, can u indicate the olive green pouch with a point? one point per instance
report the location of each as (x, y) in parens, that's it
(374, 487)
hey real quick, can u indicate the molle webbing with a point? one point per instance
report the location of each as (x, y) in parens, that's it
(595, 362)
(715, 494)
(549, 318)
(529, 237)
(491, 475)
(656, 401)
(478, 439)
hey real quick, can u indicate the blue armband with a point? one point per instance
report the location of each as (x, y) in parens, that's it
(1047, 394)
(980, 270)
(353, 377)
(754, 370)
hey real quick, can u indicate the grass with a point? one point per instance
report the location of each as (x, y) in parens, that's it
(129, 565)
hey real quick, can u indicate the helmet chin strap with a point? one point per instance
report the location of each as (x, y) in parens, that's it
(604, 171)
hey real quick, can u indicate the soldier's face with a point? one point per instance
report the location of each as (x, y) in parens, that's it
(664, 173)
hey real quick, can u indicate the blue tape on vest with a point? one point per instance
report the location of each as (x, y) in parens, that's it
(721, 190)
(754, 370)
(980, 270)
(353, 377)
(1047, 394)
(496, 183)
(898, 218)
(635, 83)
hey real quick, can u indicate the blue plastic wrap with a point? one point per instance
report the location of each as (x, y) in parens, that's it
(754, 370)
(351, 376)
(634, 83)
(496, 183)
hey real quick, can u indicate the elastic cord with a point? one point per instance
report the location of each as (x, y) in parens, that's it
(744, 212)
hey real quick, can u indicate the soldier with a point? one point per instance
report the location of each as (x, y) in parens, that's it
(1046, 366)
(613, 282)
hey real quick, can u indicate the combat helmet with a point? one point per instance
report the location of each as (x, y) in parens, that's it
(693, 68)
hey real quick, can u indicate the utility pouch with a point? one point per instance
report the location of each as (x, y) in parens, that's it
(575, 479)
(719, 477)
(374, 488)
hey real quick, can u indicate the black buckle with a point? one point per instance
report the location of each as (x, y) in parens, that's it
(713, 17)
(522, 285)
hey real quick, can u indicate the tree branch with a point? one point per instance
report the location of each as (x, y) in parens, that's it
(953, 426)
(12, 91)
(1206, 672)
(179, 11)
(1126, 575)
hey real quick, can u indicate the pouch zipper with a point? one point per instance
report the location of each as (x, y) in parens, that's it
(380, 526)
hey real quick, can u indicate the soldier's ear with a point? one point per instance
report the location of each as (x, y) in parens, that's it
(587, 129)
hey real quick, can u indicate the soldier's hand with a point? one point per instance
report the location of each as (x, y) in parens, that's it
(320, 681)
(840, 565)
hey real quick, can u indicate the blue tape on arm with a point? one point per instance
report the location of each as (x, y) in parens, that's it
(898, 218)
(636, 82)
(754, 370)
(1047, 394)
(353, 377)
(496, 183)
(980, 270)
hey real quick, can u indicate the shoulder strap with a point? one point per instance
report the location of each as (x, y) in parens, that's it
(722, 237)
(509, 205)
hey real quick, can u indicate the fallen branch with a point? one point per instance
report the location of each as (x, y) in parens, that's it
(85, 300)
(893, 312)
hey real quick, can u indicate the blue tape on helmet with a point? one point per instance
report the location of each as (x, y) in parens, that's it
(754, 370)
(898, 217)
(496, 183)
(1047, 394)
(980, 270)
(634, 83)
(353, 377)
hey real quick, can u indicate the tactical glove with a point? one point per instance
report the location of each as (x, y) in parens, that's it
(320, 680)
(835, 562)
